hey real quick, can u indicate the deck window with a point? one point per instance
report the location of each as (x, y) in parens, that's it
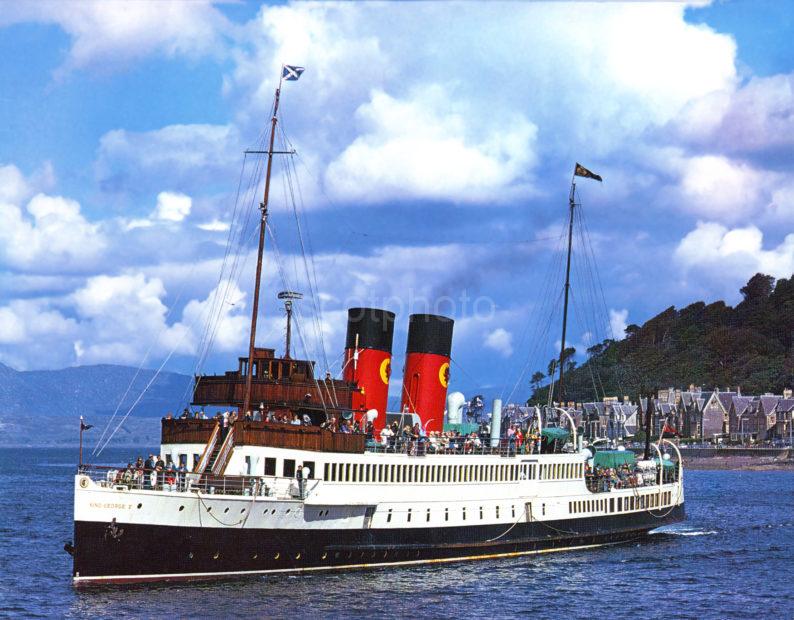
(289, 468)
(270, 466)
(310, 465)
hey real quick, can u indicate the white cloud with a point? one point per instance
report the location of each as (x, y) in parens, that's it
(214, 226)
(618, 320)
(174, 156)
(715, 250)
(52, 236)
(756, 118)
(172, 207)
(463, 125)
(715, 186)
(122, 316)
(111, 33)
(423, 148)
(500, 340)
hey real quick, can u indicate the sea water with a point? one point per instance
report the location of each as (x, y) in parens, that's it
(732, 558)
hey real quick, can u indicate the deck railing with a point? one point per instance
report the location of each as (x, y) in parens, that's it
(207, 484)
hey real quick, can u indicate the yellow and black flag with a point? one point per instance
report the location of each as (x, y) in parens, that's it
(581, 171)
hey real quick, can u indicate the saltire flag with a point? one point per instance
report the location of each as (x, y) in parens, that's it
(668, 431)
(291, 73)
(581, 171)
(84, 426)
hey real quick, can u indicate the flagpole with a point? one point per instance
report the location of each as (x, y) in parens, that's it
(80, 461)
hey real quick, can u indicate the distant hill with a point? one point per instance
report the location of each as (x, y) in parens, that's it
(750, 345)
(40, 406)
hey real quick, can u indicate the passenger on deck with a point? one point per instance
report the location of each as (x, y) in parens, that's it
(385, 437)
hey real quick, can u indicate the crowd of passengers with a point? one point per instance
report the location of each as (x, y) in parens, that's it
(153, 473)
(414, 440)
(601, 479)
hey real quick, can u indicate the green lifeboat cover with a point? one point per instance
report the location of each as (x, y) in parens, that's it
(465, 428)
(614, 458)
(553, 432)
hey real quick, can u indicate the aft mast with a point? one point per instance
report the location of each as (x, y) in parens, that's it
(578, 171)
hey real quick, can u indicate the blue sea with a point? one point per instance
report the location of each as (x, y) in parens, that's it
(732, 558)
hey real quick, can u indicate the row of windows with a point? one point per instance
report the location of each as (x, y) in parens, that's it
(561, 471)
(620, 504)
(420, 473)
(465, 513)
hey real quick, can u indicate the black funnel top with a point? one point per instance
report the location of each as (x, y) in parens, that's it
(429, 333)
(375, 329)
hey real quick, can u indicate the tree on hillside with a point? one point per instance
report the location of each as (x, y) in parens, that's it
(567, 360)
(536, 380)
(758, 288)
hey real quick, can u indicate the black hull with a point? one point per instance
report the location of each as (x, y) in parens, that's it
(129, 553)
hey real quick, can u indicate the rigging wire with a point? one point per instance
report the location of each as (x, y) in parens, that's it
(549, 304)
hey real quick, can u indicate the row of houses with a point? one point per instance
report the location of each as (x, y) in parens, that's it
(727, 414)
(694, 413)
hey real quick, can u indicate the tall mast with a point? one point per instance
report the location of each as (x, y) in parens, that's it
(572, 205)
(262, 227)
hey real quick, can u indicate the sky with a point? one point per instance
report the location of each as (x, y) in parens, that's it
(434, 149)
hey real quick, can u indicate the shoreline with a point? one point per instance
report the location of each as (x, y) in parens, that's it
(739, 463)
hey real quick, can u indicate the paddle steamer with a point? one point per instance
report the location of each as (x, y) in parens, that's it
(263, 496)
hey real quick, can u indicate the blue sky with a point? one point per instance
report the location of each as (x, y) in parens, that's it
(436, 143)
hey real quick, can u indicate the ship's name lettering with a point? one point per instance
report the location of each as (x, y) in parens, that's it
(110, 505)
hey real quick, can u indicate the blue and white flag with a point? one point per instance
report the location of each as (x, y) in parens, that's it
(291, 73)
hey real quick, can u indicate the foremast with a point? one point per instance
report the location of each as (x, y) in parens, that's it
(289, 73)
(260, 253)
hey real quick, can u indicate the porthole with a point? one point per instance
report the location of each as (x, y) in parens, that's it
(277, 556)
(226, 510)
(209, 508)
(242, 511)
(288, 510)
(190, 556)
(273, 511)
(181, 508)
(139, 506)
(336, 555)
(217, 555)
(256, 555)
(325, 555)
(385, 553)
(298, 556)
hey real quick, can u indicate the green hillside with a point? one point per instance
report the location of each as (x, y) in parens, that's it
(749, 345)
